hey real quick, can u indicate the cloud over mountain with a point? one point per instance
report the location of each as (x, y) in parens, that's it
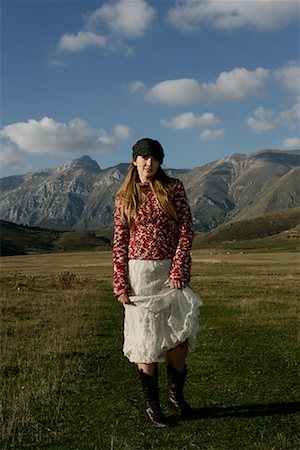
(291, 142)
(207, 134)
(48, 136)
(265, 119)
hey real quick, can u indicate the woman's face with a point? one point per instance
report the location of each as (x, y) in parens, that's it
(147, 167)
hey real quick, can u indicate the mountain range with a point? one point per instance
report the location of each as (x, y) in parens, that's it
(79, 195)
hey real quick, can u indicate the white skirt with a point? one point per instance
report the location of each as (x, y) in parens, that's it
(161, 317)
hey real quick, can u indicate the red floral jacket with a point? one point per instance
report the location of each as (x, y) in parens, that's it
(155, 235)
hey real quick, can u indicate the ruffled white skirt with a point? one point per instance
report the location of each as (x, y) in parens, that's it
(160, 317)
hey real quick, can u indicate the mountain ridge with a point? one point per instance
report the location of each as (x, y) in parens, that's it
(79, 195)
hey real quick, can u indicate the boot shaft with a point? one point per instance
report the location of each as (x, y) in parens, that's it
(149, 384)
(153, 410)
(176, 381)
(175, 377)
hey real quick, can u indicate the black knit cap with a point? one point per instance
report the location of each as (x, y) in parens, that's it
(148, 147)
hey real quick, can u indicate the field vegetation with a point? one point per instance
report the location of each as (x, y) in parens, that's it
(66, 385)
(273, 231)
(19, 239)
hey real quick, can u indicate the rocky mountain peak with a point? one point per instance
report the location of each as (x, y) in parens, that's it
(85, 163)
(80, 195)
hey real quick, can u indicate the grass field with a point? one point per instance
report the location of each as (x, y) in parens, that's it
(65, 383)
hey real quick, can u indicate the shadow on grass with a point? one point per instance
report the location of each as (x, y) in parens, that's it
(260, 410)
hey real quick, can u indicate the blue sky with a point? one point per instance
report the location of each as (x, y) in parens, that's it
(207, 78)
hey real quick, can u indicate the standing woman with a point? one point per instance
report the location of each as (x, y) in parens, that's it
(153, 236)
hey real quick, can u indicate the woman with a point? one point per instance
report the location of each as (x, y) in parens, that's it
(151, 264)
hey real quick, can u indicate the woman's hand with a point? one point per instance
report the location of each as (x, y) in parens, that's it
(124, 299)
(177, 284)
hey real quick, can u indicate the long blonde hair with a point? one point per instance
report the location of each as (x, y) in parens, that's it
(130, 194)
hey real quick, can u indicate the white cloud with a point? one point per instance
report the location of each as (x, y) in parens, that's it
(289, 76)
(235, 85)
(290, 117)
(262, 120)
(122, 131)
(238, 83)
(291, 142)
(10, 157)
(175, 92)
(136, 86)
(81, 41)
(211, 134)
(125, 18)
(189, 15)
(121, 19)
(48, 136)
(190, 120)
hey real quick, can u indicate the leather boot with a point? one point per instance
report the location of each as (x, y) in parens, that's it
(153, 410)
(176, 398)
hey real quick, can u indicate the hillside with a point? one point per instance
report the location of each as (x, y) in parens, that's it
(243, 186)
(279, 230)
(21, 240)
(79, 195)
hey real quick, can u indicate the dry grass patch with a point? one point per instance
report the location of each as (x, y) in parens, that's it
(39, 324)
(66, 384)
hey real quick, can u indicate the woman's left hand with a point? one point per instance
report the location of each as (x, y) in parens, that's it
(177, 284)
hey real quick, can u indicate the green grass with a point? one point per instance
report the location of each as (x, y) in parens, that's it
(66, 384)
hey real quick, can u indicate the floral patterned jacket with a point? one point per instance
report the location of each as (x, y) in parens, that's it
(155, 236)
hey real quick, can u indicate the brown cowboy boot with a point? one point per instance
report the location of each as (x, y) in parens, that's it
(153, 410)
(176, 398)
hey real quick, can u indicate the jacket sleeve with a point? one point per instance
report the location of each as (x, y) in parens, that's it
(120, 253)
(181, 264)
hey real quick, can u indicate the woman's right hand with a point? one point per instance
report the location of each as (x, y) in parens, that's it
(124, 299)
